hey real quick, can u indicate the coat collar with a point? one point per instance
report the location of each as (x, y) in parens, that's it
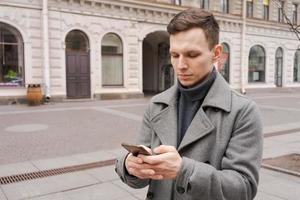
(219, 95)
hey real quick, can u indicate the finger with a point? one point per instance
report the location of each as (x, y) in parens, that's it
(147, 172)
(164, 149)
(152, 160)
(139, 166)
(157, 177)
(144, 173)
(135, 159)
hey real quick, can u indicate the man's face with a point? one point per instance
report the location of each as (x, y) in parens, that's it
(191, 56)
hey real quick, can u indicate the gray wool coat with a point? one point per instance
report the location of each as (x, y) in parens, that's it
(221, 150)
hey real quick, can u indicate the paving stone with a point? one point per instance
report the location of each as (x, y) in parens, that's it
(104, 174)
(270, 143)
(18, 168)
(43, 186)
(136, 192)
(57, 196)
(282, 189)
(280, 176)
(105, 191)
(264, 196)
(94, 157)
(118, 152)
(272, 152)
(53, 163)
(2, 196)
(288, 138)
(129, 198)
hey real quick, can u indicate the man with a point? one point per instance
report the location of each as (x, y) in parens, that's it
(206, 138)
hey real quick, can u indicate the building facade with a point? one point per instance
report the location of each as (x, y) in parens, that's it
(119, 48)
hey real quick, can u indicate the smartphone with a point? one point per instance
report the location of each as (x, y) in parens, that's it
(136, 149)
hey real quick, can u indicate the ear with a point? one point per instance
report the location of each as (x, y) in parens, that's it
(217, 52)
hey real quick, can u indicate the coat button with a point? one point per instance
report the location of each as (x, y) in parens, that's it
(180, 190)
(150, 195)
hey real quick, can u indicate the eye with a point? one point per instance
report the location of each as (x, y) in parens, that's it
(174, 55)
(193, 54)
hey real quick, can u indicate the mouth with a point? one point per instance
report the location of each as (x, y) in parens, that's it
(184, 76)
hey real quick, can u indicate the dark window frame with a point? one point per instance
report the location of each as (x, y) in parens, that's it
(177, 2)
(295, 13)
(260, 60)
(280, 12)
(225, 6)
(103, 54)
(204, 4)
(266, 12)
(18, 47)
(296, 68)
(249, 9)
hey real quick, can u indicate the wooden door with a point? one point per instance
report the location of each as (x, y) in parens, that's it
(78, 75)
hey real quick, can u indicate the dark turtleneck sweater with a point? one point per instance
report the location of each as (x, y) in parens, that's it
(189, 102)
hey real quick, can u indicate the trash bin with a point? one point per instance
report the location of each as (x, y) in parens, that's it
(34, 94)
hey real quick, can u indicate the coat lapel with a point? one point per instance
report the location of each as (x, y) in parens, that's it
(165, 122)
(165, 126)
(199, 127)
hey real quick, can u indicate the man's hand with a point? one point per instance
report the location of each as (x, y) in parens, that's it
(165, 165)
(136, 167)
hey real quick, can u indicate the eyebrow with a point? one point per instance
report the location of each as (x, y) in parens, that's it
(188, 51)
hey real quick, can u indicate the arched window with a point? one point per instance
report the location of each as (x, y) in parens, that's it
(257, 64)
(278, 66)
(225, 62)
(297, 66)
(112, 60)
(77, 41)
(11, 57)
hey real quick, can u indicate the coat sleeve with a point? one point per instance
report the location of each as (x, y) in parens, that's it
(143, 138)
(238, 177)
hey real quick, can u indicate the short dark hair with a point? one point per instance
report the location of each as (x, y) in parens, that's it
(196, 18)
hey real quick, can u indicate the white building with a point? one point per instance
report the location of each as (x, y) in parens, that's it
(119, 48)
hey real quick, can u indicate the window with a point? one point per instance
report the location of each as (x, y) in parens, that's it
(225, 62)
(278, 66)
(266, 9)
(256, 64)
(249, 8)
(176, 2)
(280, 12)
(11, 56)
(112, 60)
(297, 66)
(295, 13)
(77, 41)
(225, 6)
(204, 4)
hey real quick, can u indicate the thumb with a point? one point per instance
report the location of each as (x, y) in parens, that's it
(164, 149)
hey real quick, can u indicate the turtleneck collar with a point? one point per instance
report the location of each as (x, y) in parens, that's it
(200, 90)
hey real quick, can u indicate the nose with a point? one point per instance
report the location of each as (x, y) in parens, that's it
(181, 63)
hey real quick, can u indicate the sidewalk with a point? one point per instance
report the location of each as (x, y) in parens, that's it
(60, 131)
(103, 184)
